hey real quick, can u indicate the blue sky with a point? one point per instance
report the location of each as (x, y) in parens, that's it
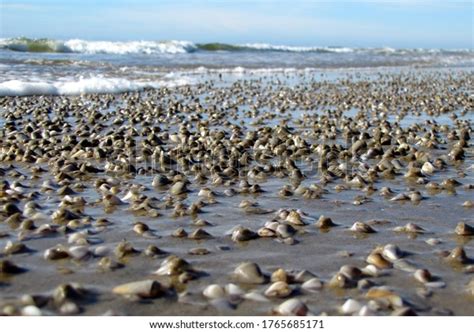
(397, 23)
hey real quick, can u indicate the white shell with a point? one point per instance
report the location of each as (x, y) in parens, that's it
(234, 290)
(31, 310)
(312, 285)
(392, 252)
(351, 306)
(214, 291)
(292, 307)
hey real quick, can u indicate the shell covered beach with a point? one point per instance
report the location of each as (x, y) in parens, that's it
(297, 192)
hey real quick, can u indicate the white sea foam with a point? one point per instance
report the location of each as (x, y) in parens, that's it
(270, 47)
(145, 47)
(81, 86)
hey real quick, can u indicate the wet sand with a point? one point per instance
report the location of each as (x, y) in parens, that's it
(417, 112)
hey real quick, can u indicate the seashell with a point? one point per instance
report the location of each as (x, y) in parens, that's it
(312, 285)
(109, 264)
(351, 306)
(214, 291)
(10, 209)
(198, 251)
(152, 251)
(415, 196)
(249, 273)
(457, 255)
(12, 248)
(378, 260)
(31, 310)
(295, 218)
(427, 168)
(468, 204)
(79, 252)
(450, 183)
(241, 233)
(325, 222)
(69, 308)
(140, 228)
(279, 275)
(79, 238)
(464, 229)
(125, 248)
(56, 253)
(230, 192)
(400, 197)
(266, 232)
(160, 181)
(366, 311)
(361, 227)
(433, 241)
(350, 271)
(200, 234)
(292, 307)
(233, 290)
(178, 188)
(410, 228)
(339, 280)
(423, 276)
(386, 192)
(246, 204)
(392, 252)
(285, 230)
(278, 289)
(180, 233)
(364, 284)
(173, 265)
(112, 200)
(143, 289)
(9, 267)
(201, 223)
(65, 292)
(384, 293)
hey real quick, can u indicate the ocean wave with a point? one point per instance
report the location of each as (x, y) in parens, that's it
(180, 46)
(82, 86)
(96, 47)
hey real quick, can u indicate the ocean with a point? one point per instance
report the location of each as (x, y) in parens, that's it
(71, 67)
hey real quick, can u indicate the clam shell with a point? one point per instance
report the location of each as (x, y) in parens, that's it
(200, 234)
(243, 234)
(292, 307)
(278, 289)
(144, 289)
(423, 275)
(464, 229)
(214, 291)
(312, 285)
(361, 227)
(325, 222)
(378, 260)
(249, 273)
(392, 252)
(351, 306)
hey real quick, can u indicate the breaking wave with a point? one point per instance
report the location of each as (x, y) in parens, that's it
(179, 46)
